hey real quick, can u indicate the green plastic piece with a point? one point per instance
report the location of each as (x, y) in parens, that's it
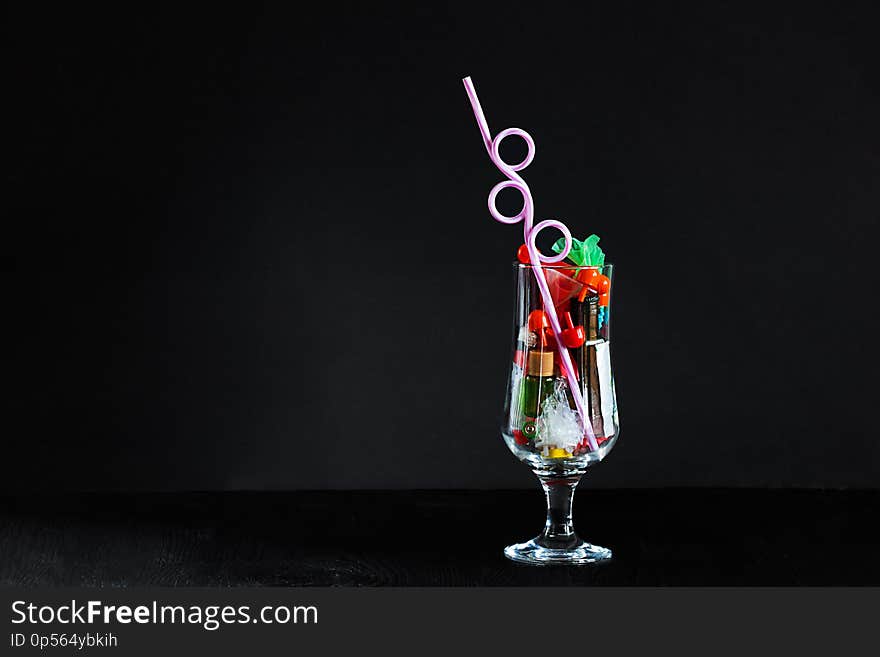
(584, 254)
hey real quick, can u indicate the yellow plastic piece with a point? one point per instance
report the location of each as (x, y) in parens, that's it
(559, 453)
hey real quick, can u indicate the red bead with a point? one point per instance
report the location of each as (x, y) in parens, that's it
(519, 437)
(604, 299)
(522, 254)
(574, 337)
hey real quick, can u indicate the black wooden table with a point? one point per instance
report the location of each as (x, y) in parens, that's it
(379, 538)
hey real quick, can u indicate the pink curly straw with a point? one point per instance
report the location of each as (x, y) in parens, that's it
(530, 232)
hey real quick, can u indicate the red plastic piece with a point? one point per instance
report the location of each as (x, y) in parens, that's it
(587, 276)
(538, 321)
(522, 254)
(602, 284)
(563, 288)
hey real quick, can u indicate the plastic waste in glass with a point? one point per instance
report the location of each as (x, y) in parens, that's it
(541, 424)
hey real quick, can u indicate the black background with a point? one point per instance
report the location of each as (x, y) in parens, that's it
(249, 247)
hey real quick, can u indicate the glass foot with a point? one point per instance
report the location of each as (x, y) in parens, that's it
(579, 553)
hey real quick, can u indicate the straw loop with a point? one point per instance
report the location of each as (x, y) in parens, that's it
(562, 228)
(496, 149)
(509, 184)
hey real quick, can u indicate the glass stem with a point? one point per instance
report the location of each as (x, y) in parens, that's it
(559, 532)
